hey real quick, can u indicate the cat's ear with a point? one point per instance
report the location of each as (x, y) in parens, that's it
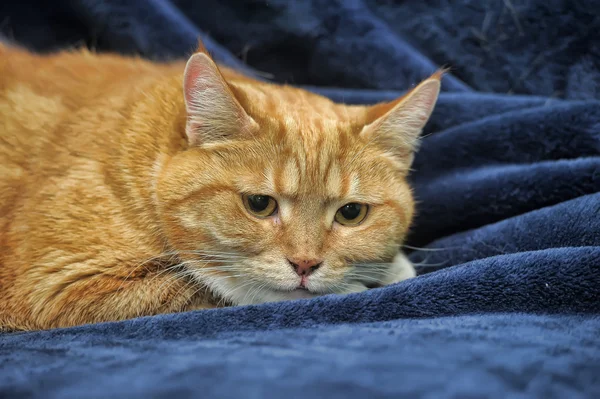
(396, 126)
(213, 112)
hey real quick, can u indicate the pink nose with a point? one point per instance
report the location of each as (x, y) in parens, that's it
(304, 267)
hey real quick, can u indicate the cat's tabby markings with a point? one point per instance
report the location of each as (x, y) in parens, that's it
(131, 188)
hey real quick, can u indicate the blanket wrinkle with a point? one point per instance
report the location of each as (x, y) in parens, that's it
(507, 234)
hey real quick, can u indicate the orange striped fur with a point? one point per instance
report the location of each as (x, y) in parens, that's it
(121, 184)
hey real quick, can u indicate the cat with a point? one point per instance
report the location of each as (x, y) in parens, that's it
(132, 188)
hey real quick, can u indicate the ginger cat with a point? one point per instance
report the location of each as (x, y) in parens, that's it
(131, 188)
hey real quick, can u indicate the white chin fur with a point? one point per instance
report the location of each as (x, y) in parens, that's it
(249, 294)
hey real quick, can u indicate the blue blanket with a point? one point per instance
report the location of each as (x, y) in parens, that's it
(507, 303)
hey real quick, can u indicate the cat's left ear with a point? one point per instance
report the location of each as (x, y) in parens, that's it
(213, 112)
(396, 126)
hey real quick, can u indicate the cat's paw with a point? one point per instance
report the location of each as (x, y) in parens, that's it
(401, 269)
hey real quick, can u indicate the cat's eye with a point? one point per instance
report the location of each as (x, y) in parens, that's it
(351, 214)
(260, 205)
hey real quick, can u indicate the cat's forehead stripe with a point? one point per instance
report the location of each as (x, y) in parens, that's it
(291, 177)
(269, 175)
(333, 181)
(354, 185)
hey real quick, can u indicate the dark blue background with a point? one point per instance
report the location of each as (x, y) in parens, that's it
(508, 179)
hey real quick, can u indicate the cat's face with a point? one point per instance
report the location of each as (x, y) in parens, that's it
(283, 194)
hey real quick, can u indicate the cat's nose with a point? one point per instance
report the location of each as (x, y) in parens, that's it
(304, 267)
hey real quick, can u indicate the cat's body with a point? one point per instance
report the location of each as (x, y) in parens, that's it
(110, 177)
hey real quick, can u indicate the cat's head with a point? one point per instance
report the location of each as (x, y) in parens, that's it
(284, 194)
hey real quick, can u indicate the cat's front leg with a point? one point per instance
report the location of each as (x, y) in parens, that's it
(102, 297)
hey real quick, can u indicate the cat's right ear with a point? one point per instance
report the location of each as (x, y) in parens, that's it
(213, 112)
(396, 126)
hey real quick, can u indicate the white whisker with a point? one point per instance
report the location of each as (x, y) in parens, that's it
(428, 249)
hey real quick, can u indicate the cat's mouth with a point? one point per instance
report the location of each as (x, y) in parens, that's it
(303, 290)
